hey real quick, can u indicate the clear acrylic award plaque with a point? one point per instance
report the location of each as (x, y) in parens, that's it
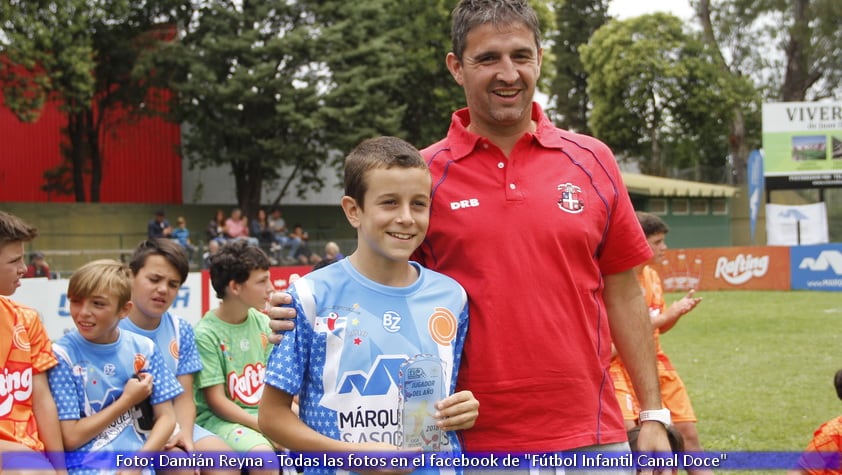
(422, 385)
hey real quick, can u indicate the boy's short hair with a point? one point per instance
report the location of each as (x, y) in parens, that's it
(103, 276)
(235, 261)
(652, 224)
(378, 152)
(166, 248)
(14, 229)
(837, 382)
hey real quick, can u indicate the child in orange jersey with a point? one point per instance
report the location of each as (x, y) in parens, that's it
(674, 394)
(28, 418)
(824, 453)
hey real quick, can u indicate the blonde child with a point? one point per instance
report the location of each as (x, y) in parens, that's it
(104, 372)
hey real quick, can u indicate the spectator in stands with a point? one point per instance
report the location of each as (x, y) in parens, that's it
(213, 248)
(216, 227)
(332, 254)
(182, 235)
(38, 266)
(284, 240)
(304, 254)
(237, 227)
(158, 226)
(29, 422)
(259, 229)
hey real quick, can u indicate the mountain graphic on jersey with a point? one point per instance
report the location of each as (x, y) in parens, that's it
(382, 377)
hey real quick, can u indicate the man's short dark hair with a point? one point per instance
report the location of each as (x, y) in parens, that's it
(470, 14)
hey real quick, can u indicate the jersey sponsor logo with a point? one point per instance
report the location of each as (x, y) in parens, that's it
(139, 363)
(112, 431)
(330, 323)
(571, 199)
(174, 349)
(442, 326)
(392, 322)
(247, 387)
(382, 377)
(19, 338)
(244, 344)
(14, 386)
(462, 204)
(826, 260)
(741, 269)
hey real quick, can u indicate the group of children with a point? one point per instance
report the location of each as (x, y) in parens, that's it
(134, 378)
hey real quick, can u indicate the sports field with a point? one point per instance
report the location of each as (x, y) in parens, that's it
(759, 366)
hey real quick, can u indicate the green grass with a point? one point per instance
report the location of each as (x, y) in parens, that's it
(759, 366)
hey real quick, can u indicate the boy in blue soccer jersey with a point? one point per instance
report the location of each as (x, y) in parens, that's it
(361, 318)
(159, 268)
(104, 372)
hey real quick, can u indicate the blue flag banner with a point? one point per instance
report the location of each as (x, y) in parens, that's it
(755, 187)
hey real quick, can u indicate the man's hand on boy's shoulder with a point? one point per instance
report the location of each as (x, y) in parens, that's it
(281, 317)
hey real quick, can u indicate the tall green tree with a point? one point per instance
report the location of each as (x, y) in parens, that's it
(79, 54)
(575, 22)
(246, 92)
(657, 94)
(386, 70)
(789, 49)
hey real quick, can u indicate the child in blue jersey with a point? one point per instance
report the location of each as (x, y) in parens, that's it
(159, 268)
(360, 318)
(103, 372)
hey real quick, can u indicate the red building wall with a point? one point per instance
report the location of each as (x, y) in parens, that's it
(141, 161)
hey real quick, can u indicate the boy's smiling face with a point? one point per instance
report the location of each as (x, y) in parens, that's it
(96, 316)
(395, 215)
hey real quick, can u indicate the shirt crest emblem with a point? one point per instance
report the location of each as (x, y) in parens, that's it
(570, 199)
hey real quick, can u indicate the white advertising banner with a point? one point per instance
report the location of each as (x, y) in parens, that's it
(796, 225)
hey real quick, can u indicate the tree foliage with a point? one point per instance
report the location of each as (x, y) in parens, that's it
(789, 49)
(386, 68)
(246, 93)
(80, 54)
(657, 93)
(575, 22)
